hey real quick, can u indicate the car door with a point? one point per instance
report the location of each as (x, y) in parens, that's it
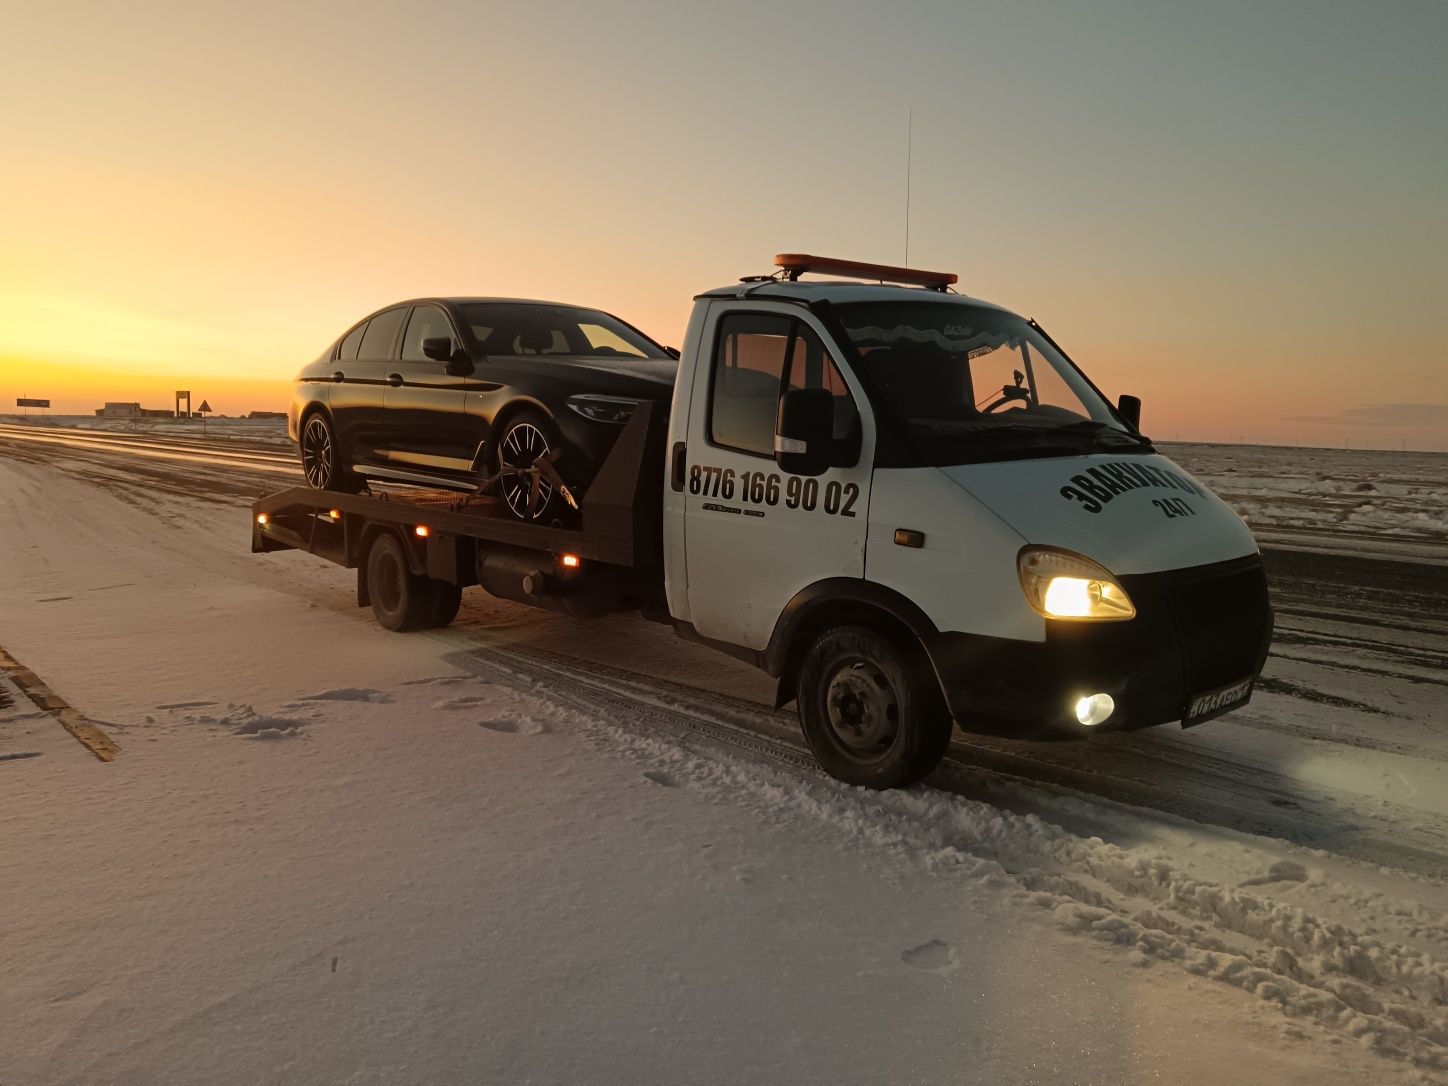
(356, 397)
(754, 535)
(427, 423)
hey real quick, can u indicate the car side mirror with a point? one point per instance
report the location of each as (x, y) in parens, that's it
(1129, 408)
(438, 348)
(804, 431)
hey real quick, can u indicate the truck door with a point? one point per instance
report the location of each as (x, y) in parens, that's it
(754, 535)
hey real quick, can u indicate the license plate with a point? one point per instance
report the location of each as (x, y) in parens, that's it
(1216, 702)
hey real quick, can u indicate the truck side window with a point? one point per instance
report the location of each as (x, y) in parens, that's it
(757, 357)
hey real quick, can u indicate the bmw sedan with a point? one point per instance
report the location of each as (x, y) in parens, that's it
(524, 398)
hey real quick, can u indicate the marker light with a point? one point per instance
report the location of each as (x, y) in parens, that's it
(262, 519)
(569, 561)
(421, 531)
(335, 514)
(1060, 584)
(1094, 709)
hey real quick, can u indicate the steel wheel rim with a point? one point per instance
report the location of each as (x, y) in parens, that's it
(317, 453)
(523, 445)
(862, 709)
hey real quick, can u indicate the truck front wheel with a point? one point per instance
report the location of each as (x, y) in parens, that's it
(869, 714)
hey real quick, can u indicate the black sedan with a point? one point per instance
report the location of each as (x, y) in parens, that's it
(522, 397)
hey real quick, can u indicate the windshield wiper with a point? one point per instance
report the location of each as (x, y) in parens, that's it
(1098, 430)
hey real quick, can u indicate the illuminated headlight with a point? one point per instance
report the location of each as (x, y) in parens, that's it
(1059, 584)
(602, 408)
(1094, 709)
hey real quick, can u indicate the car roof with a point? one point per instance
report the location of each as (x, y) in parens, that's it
(492, 301)
(838, 291)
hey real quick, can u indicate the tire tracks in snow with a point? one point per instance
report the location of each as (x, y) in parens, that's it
(1387, 997)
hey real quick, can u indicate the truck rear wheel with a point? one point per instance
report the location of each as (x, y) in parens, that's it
(401, 600)
(447, 598)
(869, 714)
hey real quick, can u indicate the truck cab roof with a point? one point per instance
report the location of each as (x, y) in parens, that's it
(840, 292)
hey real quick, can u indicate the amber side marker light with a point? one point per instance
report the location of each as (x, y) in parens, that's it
(335, 514)
(262, 519)
(569, 561)
(421, 531)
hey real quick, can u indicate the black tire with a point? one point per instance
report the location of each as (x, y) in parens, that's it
(322, 463)
(446, 599)
(401, 600)
(525, 437)
(870, 711)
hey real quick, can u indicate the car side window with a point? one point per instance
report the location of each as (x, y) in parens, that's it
(757, 356)
(426, 322)
(381, 333)
(350, 342)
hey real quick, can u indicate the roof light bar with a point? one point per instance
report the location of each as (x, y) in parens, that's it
(795, 264)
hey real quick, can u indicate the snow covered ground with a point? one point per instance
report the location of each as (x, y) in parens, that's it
(531, 850)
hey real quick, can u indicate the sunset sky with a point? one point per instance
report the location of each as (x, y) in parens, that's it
(1238, 211)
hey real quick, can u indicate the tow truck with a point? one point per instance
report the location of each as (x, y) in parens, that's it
(907, 505)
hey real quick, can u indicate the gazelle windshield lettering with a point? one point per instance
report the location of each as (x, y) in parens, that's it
(969, 383)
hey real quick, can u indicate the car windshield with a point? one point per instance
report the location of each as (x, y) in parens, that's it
(970, 383)
(517, 328)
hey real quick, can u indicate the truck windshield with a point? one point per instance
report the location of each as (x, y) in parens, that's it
(971, 383)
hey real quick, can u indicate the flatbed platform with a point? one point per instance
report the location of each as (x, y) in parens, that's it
(619, 522)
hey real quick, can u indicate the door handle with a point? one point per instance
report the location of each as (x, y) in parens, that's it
(676, 473)
(394, 379)
(338, 375)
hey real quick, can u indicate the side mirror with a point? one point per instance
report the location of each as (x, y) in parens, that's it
(438, 348)
(1129, 408)
(804, 431)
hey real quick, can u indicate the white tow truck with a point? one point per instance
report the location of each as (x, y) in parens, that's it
(906, 504)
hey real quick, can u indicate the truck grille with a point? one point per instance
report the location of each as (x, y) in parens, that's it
(1223, 620)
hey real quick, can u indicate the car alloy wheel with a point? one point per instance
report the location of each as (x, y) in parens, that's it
(527, 494)
(317, 452)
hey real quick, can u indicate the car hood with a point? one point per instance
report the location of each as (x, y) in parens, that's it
(645, 376)
(1133, 514)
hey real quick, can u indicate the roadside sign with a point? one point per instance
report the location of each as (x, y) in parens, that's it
(24, 401)
(204, 408)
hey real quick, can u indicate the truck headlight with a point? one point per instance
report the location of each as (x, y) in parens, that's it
(602, 408)
(1059, 584)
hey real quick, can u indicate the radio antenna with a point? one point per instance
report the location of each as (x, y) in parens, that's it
(909, 141)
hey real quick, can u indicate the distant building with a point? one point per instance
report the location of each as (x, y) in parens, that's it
(132, 411)
(267, 415)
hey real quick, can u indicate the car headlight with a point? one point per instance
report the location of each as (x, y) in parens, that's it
(602, 408)
(1059, 584)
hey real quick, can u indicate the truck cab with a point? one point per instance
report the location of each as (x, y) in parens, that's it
(911, 505)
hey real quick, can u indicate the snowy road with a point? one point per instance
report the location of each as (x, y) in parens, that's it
(1261, 899)
(1345, 747)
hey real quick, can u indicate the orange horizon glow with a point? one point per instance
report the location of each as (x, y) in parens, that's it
(1246, 230)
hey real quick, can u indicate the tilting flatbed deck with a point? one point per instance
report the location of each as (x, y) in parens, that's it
(612, 552)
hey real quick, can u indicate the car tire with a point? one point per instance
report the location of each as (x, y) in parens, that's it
(401, 600)
(525, 437)
(870, 711)
(322, 464)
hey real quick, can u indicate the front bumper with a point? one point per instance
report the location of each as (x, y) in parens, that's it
(1196, 630)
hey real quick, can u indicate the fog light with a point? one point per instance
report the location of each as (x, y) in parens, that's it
(1095, 708)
